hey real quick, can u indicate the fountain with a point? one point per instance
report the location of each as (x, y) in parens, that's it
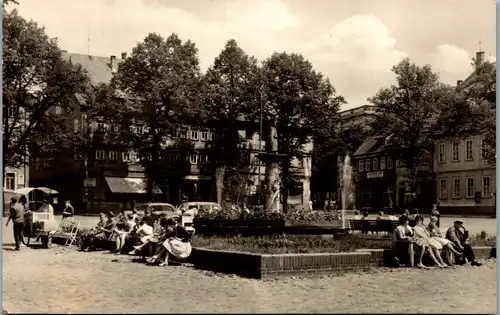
(346, 186)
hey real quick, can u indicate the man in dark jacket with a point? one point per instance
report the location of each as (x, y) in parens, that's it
(460, 238)
(17, 217)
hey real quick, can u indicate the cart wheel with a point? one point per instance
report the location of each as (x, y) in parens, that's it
(45, 241)
(25, 239)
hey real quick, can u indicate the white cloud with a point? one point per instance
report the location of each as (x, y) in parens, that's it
(453, 63)
(358, 42)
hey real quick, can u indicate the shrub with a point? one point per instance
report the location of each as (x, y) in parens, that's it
(296, 213)
(483, 239)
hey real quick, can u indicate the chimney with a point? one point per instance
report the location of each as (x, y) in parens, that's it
(112, 63)
(459, 82)
(479, 58)
(124, 55)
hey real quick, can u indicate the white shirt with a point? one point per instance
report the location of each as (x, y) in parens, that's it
(402, 230)
(145, 230)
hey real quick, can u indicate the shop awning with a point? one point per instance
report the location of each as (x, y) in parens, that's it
(125, 185)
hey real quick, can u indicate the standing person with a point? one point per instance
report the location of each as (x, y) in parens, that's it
(459, 236)
(17, 217)
(68, 211)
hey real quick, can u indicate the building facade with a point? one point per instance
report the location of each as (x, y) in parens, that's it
(465, 180)
(107, 176)
(381, 179)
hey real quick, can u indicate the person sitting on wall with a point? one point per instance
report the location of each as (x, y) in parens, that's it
(402, 246)
(124, 232)
(90, 240)
(435, 233)
(433, 247)
(459, 236)
(143, 234)
(158, 232)
(177, 243)
(413, 217)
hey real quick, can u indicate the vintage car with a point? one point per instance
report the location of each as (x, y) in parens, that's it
(39, 222)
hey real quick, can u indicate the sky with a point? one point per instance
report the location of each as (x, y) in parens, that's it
(353, 42)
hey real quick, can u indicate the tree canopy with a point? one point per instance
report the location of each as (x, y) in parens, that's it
(407, 110)
(39, 90)
(160, 81)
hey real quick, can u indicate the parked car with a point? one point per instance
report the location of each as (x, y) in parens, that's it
(158, 208)
(192, 208)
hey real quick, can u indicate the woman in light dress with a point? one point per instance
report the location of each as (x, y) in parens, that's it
(176, 244)
(403, 234)
(433, 247)
(435, 234)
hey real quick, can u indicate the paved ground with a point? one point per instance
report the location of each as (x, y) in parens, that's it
(63, 280)
(475, 225)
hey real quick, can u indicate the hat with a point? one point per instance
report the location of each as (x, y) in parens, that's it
(458, 222)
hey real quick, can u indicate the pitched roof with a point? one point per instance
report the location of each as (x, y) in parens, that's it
(98, 68)
(372, 145)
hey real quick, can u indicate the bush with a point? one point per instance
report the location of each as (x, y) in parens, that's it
(289, 244)
(229, 212)
(483, 239)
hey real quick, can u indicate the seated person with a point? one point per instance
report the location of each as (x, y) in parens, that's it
(143, 234)
(433, 247)
(103, 230)
(158, 233)
(177, 243)
(405, 243)
(149, 218)
(459, 236)
(124, 231)
(381, 215)
(357, 215)
(364, 225)
(435, 234)
(136, 216)
(413, 216)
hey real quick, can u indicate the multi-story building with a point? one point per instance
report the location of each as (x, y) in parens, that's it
(15, 178)
(465, 180)
(358, 116)
(381, 179)
(107, 175)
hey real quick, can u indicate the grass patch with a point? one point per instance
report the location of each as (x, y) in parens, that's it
(296, 244)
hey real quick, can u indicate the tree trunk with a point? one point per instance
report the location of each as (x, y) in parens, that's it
(285, 184)
(272, 173)
(219, 182)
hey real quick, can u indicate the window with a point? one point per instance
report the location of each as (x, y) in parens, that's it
(455, 156)
(486, 186)
(401, 163)
(375, 164)
(368, 165)
(468, 150)
(183, 133)
(58, 110)
(76, 125)
(101, 126)
(11, 111)
(470, 187)
(134, 157)
(203, 158)
(456, 188)
(204, 135)
(442, 153)
(126, 156)
(423, 159)
(209, 136)
(193, 158)
(484, 148)
(10, 181)
(443, 189)
(382, 163)
(194, 135)
(389, 163)
(113, 155)
(361, 165)
(99, 154)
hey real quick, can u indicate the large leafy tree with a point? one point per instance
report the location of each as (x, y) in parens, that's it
(298, 104)
(160, 82)
(407, 110)
(39, 90)
(230, 90)
(471, 107)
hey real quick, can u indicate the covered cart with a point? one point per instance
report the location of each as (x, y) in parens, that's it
(39, 220)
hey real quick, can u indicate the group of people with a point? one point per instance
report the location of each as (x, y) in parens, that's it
(429, 240)
(151, 236)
